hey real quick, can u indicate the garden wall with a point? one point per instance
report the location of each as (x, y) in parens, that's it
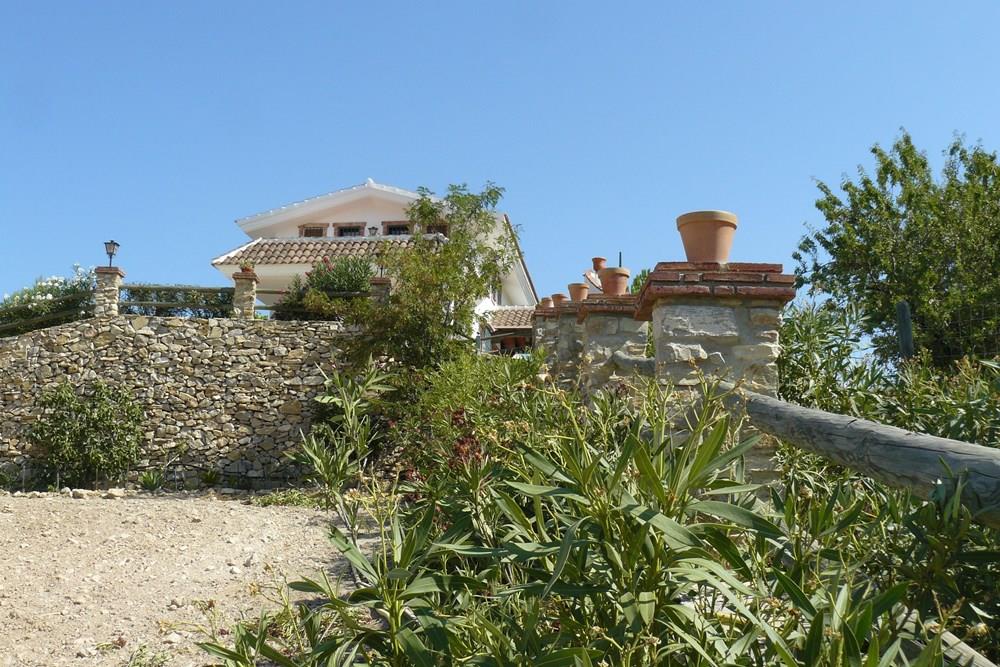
(233, 394)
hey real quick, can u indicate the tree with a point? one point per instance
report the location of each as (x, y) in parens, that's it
(437, 282)
(901, 234)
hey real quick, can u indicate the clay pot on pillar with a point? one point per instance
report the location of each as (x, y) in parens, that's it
(558, 299)
(599, 263)
(614, 280)
(578, 291)
(707, 235)
(546, 302)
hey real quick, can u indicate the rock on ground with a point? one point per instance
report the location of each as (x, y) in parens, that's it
(91, 581)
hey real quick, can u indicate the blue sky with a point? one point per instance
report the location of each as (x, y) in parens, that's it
(158, 124)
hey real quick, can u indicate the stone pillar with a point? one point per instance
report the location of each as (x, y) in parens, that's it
(609, 326)
(720, 319)
(569, 343)
(546, 332)
(109, 284)
(245, 294)
(380, 289)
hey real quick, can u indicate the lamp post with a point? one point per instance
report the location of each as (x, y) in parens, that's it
(111, 247)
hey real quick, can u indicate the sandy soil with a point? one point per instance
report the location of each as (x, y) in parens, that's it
(97, 581)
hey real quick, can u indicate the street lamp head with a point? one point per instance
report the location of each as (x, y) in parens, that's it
(111, 247)
(373, 231)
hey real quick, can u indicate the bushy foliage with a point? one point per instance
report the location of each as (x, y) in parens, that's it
(176, 301)
(436, 284)
(49, 301)
(328, 291)
(903, 234)
(536, 529)
(824, 364)
(87, 436)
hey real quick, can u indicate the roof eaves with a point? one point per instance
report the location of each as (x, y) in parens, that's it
(221, 259)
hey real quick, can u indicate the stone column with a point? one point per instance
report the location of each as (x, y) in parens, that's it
(569, 343)
(109, 284)
(245, 294)
(380, 289)
(546, 333)
(609, 326)
(719, 319)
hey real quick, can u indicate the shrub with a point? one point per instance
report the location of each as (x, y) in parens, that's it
(327, 291)
(90, 436)
(50, 301)
(823, 365)
(537, 529)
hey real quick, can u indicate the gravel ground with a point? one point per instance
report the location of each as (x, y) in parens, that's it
(97, 581)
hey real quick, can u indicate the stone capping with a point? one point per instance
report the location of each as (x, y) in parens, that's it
(747, 280)
(623, 305)
(110, 271)
(246, 275)
(544, 312)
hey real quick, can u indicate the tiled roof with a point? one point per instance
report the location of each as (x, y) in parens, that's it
(511, 317)
(307, 251)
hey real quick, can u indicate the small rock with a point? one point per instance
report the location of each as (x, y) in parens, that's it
(82, 493)
(65, 491)
(115, 493)
(173, 638)
(235, 570)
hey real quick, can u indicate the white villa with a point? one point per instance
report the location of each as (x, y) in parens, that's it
(288, 241)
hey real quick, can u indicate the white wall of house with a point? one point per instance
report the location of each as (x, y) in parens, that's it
(368, 205)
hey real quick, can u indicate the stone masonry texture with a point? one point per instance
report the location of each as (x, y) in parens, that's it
(222, 394)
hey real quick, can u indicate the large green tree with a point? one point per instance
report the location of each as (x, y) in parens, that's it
(437, 283)
(903, 234)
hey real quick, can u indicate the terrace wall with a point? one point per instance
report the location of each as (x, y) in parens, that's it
(231, 394)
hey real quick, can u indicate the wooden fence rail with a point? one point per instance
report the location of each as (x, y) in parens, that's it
(898, 458)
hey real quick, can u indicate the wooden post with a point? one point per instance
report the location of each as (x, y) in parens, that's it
(904, 329)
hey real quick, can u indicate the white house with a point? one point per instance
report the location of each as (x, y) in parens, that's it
(288, 241)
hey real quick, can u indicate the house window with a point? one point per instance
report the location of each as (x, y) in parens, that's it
(312, 231)
(438, 229)
(344, 231)
(396, 228)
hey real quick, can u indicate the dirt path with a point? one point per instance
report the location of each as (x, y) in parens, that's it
(94, 581)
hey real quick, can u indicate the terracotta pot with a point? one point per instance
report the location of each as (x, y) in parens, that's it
(599, 263)
(578, 291)
(707, 235)
(614, 280)
(558, 299)
(546, 302)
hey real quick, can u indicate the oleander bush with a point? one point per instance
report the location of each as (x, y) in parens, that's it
(49, 301)
(533, 528)
(88, 435)
(824, 364)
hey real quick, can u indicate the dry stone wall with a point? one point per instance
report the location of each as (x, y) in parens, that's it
(222, 394)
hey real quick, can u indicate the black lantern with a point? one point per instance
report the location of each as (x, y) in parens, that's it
(111, 247)
(373, 231)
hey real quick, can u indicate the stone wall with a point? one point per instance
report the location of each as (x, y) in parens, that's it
(232, 394)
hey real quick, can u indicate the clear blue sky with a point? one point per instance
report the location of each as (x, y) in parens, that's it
(158, 124)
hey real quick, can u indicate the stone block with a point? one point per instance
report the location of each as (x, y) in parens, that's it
(694, 321)
(770, 317)
(679, 353)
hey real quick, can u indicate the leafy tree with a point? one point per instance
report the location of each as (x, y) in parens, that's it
(902, 234)
(437, 283)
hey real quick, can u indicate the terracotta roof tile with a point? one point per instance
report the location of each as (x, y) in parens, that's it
(307, 251)
(511, 317)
